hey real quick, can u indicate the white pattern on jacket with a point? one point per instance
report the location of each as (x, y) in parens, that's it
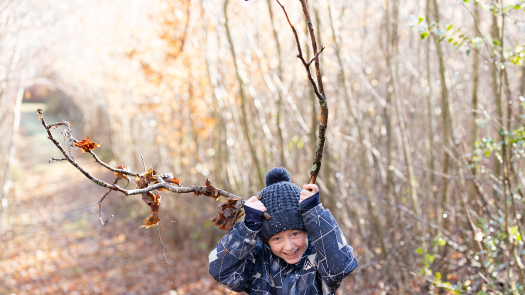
(250, 266)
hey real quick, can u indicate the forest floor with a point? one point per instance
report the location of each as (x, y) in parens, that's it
(53, 242)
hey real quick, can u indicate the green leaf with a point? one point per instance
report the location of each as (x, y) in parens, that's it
(419, 250)
(429, 258)
(450, 27)
(438, 275)
(421, 19)
(450, 40)
(441, 242)
(513, 230)
(496, 42)
(424, 35)
(468, 52)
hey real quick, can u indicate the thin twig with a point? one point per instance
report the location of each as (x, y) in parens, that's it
(143, 164)
(58, 160)
(315, 56)
(300, 55)
(164, 253)
(72, 161)
(103, 222)
(100, 206)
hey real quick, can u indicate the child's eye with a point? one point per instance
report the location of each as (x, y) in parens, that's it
(276, 239)
(295, 234)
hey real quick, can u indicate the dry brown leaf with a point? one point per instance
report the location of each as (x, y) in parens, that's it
(154, 202)
(229, 212)
(120, 175)
(86, 145)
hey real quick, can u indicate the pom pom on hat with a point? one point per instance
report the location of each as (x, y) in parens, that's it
(276, 175)
(281, 199)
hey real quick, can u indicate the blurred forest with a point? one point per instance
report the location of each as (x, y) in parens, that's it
(422, 167)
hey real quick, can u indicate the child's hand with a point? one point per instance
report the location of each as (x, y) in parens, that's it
(254, 203)
(305, 193)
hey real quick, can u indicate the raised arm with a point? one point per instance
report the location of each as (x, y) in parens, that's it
(234, 267)
(335, 258)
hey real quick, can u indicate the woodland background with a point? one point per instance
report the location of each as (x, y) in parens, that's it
(422, 167)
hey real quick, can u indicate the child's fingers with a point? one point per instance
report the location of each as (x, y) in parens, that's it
(312, 187)
(302, 198)
(259, 206)
(254, 203)
(252, 200)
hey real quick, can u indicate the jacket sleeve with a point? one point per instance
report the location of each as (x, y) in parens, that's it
(233, 268)
(334, 257)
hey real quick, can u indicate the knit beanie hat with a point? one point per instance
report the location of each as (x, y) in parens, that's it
(281, 199)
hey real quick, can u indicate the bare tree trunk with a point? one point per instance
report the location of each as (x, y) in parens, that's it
(448, 135)
(246, 127)
(369, 191)
(475, 102)
(280, 124)
(522, 88)
(387, 114)
(507, 189)
(475, 86)
(446, 117)
(430, 118)
(391, 54)
(12, 147)
(496, 88)
(221, 158)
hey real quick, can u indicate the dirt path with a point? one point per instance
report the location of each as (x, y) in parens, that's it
(53, 243)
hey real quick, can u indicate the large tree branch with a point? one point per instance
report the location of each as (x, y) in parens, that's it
(163, 180)
(318, 87)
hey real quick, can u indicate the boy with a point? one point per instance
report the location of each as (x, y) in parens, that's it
(299, 251)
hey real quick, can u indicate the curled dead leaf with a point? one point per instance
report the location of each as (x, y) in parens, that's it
(86, 145)
(167, 177)
(151, 220)
(120, 175)
(229, 212)
(144, 179)
(210, 191)
(154, 202)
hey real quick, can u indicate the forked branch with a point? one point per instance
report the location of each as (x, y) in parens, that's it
(318, 87)
(147, 182)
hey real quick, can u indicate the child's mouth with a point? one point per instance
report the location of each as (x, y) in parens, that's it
(291, 255)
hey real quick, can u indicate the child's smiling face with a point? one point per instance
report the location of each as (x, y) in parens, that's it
(289, 245)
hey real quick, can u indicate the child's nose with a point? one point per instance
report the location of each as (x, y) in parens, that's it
(288, 245)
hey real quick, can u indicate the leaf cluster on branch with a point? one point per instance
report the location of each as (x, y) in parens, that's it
(148, 183)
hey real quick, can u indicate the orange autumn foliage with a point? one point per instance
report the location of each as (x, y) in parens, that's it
(86, 145)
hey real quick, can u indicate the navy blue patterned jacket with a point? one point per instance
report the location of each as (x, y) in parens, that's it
(250, 266)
